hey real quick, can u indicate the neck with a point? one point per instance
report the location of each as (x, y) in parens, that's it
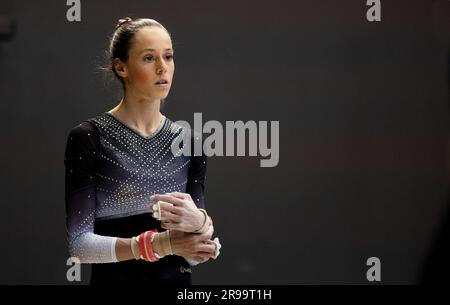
(140, 113)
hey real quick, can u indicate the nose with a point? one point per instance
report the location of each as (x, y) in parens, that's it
(161, 68)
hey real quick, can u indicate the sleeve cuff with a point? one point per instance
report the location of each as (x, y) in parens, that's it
(113, 250)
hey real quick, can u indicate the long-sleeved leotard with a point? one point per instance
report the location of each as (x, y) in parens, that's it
(111, 171)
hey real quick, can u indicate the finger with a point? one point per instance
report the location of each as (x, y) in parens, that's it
(203, 257)
(216, 245)
(167, 225)
(164, 204)
(167, 207)
(211, 249)
(198, 259)
(156, 215)
(216, 255)
(168, 216)
(204, 237)
(156, 208)
(174, 226)
(181, 195)
(167, 198)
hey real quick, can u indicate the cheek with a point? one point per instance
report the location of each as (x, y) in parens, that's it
(143, 74)
(139, 73)
(172, 67)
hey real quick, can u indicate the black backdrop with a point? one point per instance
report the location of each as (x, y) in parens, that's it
(363, 112)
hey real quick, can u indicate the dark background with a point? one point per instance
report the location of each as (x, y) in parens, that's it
(363, 111)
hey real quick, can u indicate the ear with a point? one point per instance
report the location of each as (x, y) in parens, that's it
(120, 67)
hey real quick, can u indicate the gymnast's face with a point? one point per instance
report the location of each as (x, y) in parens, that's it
(150, 60)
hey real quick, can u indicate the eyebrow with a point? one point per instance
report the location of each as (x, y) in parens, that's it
(153, 50)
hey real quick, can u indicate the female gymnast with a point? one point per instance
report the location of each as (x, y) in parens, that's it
(134, 204)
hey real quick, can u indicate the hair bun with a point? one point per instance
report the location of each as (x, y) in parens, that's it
(123, 21)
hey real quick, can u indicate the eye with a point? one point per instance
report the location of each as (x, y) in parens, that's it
(169, 57)
(148, 58)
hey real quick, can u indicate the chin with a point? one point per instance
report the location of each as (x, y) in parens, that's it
(164, 96)
(157, 96)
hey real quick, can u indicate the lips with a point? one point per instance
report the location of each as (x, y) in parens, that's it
(161, 82)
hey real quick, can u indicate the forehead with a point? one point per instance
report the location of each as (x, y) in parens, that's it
(151, 38)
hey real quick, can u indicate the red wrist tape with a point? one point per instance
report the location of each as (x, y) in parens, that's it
(142, 246)
(145, 245)
(148, 242)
